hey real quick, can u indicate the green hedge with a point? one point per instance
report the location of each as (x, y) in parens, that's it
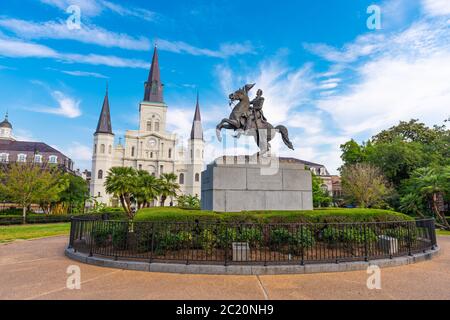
(321, 215)
(33, 218)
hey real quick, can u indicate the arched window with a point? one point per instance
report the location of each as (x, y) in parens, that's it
(132, 151)
(197, 177)
(156, 126)
(102, 148)
(170, 153)
(149, 126)
(100, 174)
(110, 149)
(95, 148)
(181, 178)
(53, 159)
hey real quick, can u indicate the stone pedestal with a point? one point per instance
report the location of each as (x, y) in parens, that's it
(244, 183)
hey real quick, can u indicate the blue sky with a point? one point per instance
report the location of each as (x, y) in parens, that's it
(325, 74)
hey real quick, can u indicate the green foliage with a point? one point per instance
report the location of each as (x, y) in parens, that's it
(321, 198)
(294, 239)
(208, 240)
(187, 201)
(121, 182)
(75, 195)
(100, 236)
(402, 233)
(147, 188)
(327, 215)
(356, 235)
(120, 236)
(400, 153)
(168, 186)
(364, 185)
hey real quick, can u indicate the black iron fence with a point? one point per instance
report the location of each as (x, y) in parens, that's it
(225, 243)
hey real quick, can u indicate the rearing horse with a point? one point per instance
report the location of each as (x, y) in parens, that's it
(242, 114)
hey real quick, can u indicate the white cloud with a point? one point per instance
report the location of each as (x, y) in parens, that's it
(15, 48)
(310, 123)
(78, 151)
(225, 50)
(93, 8)
(87, 34)
(84, 74)
(406, 78)
(67, 106)
(436, 7)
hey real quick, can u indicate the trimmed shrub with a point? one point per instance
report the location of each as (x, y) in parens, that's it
(100, 236)
(120, 236)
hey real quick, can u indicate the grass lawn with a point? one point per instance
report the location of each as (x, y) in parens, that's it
(318, 215)
(32, 231)
(442, 232)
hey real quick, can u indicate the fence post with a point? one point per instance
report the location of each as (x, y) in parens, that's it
(409, 238)
(226, 245)
(302, 262)
(91, 247)
(71, 234)
(366, 253)
(152, 243)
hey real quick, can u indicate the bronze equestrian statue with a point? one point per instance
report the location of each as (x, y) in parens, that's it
(248, 118)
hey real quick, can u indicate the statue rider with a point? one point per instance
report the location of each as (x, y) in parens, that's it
(256, 106)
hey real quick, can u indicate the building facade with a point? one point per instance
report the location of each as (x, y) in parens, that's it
(12, 150)
(150, 147)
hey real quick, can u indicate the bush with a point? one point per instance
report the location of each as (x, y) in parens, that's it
(251, 235)
(402, 233)
(334, 234)
(120, 236)
(100, 236)
(262, 217)
(33, 219)
(295, 240)
(168, 240)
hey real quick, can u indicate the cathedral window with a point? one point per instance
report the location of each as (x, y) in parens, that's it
(53, 159)
(4, 157)
(149, 126)
(95, 148)
(156, 126)
(181, 178)
(21, 157)
(102, 148)
(197, 177)
(161, 169)
(100, 174)
(170, 153)
(110, 149)
(132, 151)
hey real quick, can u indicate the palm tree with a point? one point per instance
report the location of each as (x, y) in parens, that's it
(121, 182)
(431, 184)
(168, 186)
(147, 189)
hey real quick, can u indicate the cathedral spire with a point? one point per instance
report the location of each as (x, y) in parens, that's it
(153, 86)
(197, 130)
(104, 122)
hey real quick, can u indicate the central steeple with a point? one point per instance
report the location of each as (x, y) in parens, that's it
(153, 86)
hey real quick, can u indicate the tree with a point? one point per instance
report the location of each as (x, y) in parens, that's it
(365, 185)
(188, 201)
(76, 194)
(168, 186)
(121, 182)
(321, 198)
(147, 189)
(27, 183)
(54, 184)
(428, 184)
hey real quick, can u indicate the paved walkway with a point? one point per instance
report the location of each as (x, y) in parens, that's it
(37, 270)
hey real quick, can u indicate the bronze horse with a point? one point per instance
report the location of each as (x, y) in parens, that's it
(242, 119)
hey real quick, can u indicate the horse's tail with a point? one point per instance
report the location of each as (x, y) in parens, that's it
(285, 135)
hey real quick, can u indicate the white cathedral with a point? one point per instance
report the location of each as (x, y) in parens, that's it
(149, 148)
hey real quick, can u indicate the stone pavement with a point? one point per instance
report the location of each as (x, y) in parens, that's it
(36, 269)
